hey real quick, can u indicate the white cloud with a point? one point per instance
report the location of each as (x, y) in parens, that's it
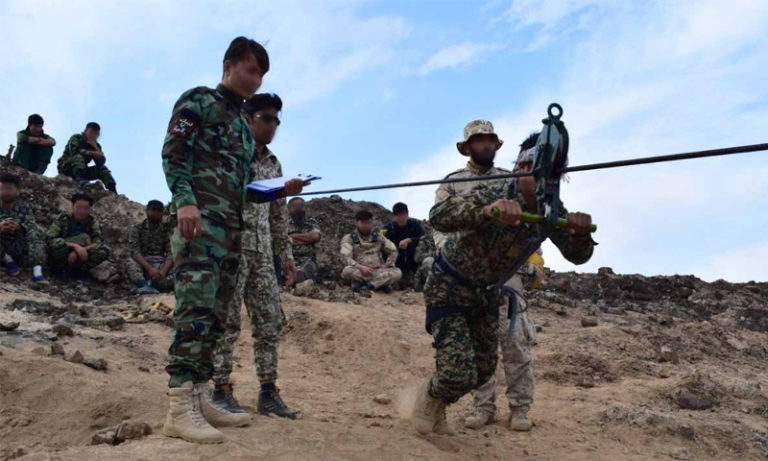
(456, 56)
(667, 78)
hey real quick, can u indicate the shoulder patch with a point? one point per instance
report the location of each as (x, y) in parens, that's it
(185, 123)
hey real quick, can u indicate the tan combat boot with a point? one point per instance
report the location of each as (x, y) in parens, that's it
(216, 415)
(518, 419)
(429, 413)
(184, 419)
(441, 424)
(478, 419)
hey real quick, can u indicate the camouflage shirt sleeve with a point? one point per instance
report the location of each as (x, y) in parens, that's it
(347, 250)
(278, 225)
(178, 149)
(101, 161)
(22, 137)
(575, 248)
(456, 214)
(55, 236)
(96, 232)
(134, 245)
(390, 250)
(27, 219)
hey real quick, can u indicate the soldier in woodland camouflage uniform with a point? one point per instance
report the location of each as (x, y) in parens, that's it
(476, 250)
(78, 153)
(207, 157)
(150, 264)
(20, 239)
(74, 239)
(265, 227)
(34, 148)
(362, 251)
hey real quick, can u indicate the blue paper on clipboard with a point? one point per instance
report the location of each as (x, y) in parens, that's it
(270, 188)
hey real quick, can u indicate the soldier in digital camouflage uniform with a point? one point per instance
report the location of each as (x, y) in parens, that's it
(20, 239)
(362, 252)
(476, 250)
(150, 264)
(305, 233)
(207, 158)
(265, 227)
(78, 153)
(74, 239)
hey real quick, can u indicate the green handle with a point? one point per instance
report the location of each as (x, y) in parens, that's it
(532, 218)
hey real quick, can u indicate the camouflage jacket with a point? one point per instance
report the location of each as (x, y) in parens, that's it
(146, 240)
(208, 152)
(266, 224)
(303, 252)
(368, 251)
(426, 247)
(78, 145)
(483, 250)
(461, 189)
(22, 214)
(61, 228)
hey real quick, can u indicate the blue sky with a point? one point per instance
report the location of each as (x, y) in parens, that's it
(379, 91)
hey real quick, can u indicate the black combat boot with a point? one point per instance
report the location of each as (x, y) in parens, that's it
(271, 403)
(112, 187)
(222, 396)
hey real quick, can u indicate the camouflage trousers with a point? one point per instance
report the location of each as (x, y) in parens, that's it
(34, 159)
(516, 360)
(380, 278)
(27, 250)
(77, 168)
(257, 286)
(138, 276)
(206, 271)
(58, 254)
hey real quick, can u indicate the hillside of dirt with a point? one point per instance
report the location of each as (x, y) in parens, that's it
(628, 367)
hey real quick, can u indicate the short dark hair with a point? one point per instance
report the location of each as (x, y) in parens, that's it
(93, 126)
(34, 119)
(9, 178)
(363, 215)
(400, 208)
(295, 199)
(81, 196)
(530, 141)
(262, 101)
(155, 205)
(240, 48)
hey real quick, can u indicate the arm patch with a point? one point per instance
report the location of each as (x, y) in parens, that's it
(185, 123)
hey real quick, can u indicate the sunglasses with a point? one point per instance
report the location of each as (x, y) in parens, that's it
(266, 118)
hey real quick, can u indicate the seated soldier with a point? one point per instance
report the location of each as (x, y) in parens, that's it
(20, 239)
(405, 233)
(149, 267)
(33, 147)
(74, 239)
(304, 233)
(80, 150)
(362, 252)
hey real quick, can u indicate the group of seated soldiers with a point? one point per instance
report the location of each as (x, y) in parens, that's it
(34, 149)
(395, 255)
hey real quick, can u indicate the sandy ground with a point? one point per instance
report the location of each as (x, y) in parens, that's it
(335, 358)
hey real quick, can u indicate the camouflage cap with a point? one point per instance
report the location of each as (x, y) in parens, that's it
(477, 127)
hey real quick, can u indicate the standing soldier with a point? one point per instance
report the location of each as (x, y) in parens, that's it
(34, 148)
(78, 153)
(516, 354)
(264, 223)
(207, 157)
(475, 248)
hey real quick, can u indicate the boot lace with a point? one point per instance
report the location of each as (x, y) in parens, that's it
(193, 406)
